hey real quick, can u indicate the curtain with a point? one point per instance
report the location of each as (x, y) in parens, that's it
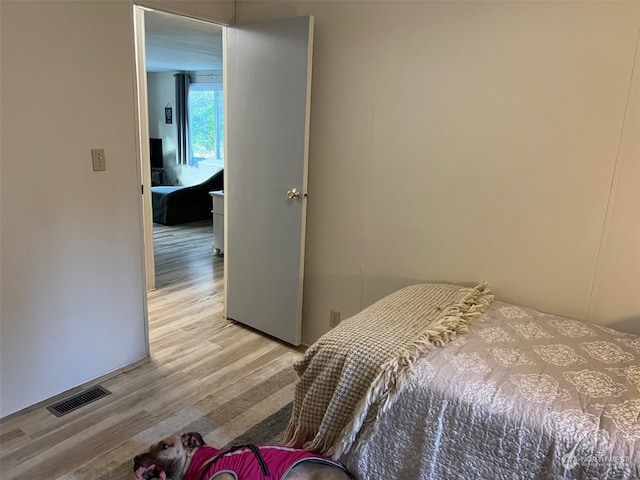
(182, 116)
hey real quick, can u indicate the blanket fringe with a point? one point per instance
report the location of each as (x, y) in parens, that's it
(395, 372)
(299, 437)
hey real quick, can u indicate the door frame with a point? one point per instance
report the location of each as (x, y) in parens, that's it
(142, 147)
(142, 130)
(142, 117)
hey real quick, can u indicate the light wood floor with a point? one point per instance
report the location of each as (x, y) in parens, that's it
(203, 368)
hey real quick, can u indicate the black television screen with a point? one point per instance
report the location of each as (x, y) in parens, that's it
(155, 152)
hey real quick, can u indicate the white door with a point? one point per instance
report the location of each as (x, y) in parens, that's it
(268, 99)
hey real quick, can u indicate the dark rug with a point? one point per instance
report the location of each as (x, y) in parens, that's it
(269, 430)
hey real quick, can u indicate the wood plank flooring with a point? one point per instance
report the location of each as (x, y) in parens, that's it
(204, 372)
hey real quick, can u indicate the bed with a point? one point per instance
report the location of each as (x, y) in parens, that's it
(173, 205)
(471, 388)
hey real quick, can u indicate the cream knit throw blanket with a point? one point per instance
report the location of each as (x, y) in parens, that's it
(353, 371)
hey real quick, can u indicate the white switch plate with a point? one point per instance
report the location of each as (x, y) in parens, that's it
(99, 160)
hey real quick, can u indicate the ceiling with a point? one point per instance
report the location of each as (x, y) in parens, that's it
(180, 43)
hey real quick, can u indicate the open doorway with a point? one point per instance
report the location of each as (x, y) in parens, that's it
(182, 150)
(267, 87)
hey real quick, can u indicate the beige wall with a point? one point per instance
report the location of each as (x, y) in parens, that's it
(470, 141)
(72, 304)
(220, 11)
(72, 267)
(450, 141)
(161, 91)
(616, 294)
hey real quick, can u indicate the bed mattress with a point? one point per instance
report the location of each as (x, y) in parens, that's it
(521, 395)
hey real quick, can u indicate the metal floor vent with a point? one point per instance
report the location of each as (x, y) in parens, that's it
(79, 400)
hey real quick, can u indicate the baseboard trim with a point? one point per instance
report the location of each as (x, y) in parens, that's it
(72, 391)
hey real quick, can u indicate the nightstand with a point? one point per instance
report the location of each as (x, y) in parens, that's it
(217, 199)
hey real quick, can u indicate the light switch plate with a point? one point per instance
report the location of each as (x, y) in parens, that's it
(98, 159)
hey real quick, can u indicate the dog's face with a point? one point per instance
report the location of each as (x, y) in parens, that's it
(169, 458)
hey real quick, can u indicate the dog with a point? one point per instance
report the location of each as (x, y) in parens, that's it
(187, 457)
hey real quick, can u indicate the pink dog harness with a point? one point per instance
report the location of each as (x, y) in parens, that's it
(251, 462)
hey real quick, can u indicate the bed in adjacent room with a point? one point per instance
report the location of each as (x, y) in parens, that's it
(173, 204)
(443, 381)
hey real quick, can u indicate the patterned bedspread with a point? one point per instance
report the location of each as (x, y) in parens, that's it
(523, 395)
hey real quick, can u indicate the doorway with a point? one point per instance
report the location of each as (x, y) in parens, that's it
(168, 45)
(267, 86)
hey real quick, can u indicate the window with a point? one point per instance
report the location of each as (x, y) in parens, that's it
(206, 123)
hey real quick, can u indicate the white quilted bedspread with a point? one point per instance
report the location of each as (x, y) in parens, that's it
(523, 395)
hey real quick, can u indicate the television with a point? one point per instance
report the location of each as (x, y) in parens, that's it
(155, 152)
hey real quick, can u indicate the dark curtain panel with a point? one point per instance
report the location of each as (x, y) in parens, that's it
(182, 116)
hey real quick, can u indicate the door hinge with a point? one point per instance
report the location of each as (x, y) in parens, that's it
(141, 189)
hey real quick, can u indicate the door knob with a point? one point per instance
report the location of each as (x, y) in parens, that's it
(294, 194)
